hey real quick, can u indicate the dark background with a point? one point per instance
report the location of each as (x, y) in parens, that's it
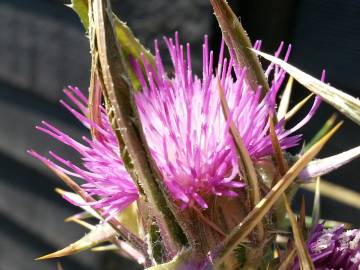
(43, 48)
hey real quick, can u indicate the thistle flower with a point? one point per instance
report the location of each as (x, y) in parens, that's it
(186, 130)
(102, 168)
(335, 248)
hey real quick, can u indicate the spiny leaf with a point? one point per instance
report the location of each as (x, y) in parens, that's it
(297, 107)
(279, 156)
(316, 206)
(246, 164)
(127, 125)
(81, 216)
(323, 166)
(77, 200)
(81, 8)
(325, 128)
(99, 234)
(304, 257)
(342, 194)
(133, 239)
(289, 259)
(105, 248)
(346, 104)
(181, 261)
(255, 216)
(238, 41)
(285, 99)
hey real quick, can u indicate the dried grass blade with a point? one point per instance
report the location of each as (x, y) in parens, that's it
(256, 215)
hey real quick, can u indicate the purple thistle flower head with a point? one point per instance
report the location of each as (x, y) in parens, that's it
(335, 248)
(102, 168)
(186, 130)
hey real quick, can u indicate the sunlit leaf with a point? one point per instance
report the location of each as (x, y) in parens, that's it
(81, 8)
(297, 107)
(255, 216)
(237, 40)
(81, 216)
(99, 234)
(285, 99)
(302, 251)
(346, 104)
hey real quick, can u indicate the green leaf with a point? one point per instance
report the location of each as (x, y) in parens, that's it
(239, 232)
(325, 128)
(346, 104)
(237, 39)
(81, 8)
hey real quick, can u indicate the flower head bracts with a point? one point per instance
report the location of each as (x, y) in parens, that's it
(185, 128)
(335, 248)
(102, 168)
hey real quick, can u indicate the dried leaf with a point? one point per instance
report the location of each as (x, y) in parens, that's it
(97, 235)
(285, 99)
(238, 41)
(246, 164)
(346, 104)
(302, 251)
(255, 216)
(279, 156)
(289, 260)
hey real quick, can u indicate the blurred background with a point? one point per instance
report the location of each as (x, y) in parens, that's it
(43, 48)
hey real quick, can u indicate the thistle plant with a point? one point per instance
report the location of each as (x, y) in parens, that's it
(185, 171)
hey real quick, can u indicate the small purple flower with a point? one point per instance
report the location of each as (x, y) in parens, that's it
(186, 130)
(102, 168)
(334, 248)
